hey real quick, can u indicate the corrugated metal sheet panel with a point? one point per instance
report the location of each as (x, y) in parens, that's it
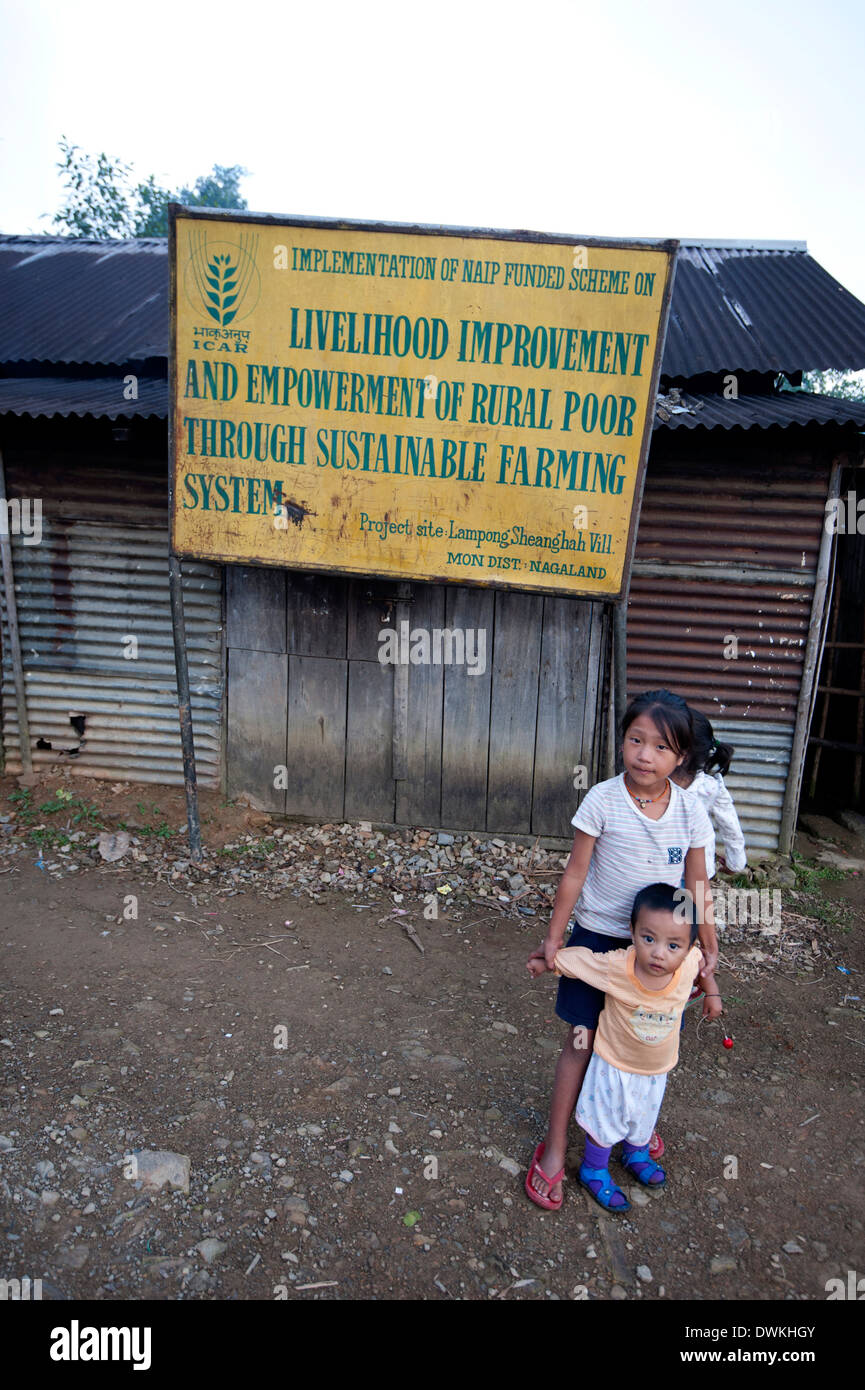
(676, 638)
(88, 587)
(67, 299)
(98, 396)
(758, 775)
(747, 412)
(769, 516)
(734, 308)
(720, 555)
(740, 308)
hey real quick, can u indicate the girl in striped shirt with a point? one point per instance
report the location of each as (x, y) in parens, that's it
(631, 830)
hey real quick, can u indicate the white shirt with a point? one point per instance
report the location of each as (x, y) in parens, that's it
(718, 804)
(632, 851)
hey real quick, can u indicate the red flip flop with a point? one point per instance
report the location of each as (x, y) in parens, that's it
(548, 1203)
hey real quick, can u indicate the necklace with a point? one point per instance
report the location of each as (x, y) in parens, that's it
(643, 801)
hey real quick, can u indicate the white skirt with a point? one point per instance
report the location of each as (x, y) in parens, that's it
(615, 1105)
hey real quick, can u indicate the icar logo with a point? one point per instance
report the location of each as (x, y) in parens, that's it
(221, 277)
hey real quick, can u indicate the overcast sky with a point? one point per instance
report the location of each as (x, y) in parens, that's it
(739, 120)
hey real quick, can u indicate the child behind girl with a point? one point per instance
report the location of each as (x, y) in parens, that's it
(631, 830)
(637, 1041)
(703, 773)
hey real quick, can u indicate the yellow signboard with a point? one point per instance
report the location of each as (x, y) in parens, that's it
(434, 405)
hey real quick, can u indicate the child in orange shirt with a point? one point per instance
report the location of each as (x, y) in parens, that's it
(637, 1040)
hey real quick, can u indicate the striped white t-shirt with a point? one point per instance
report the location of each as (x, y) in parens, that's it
(632, 851)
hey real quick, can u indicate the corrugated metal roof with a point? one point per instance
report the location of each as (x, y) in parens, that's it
(739, 307)
(67, 299)
(64, 395)
(744, 308)
(786, 408)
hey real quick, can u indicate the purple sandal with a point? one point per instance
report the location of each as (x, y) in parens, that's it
(643, 1168)
(599, 1183)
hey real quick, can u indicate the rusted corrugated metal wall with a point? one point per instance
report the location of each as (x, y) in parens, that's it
(96, 634)
(721, 600)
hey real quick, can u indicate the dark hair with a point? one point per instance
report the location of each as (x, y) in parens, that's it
(663, 897)
(669, 712)
(707, 754)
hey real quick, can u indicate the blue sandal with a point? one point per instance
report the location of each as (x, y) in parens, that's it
(644, 1168)
(599, 1183)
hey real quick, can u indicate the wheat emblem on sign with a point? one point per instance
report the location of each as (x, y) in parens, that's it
(222, 277)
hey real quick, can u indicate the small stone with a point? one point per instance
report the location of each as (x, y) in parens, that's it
(792, 1248)
(447, 1062)
(346, 1175)
(639, 1196)
(74, 1257)
(444, 839)
(344, 1083)
(50, 1198)
(211, 1248)
(644, 1274)
(296, 1210)
(112, 847)
(44, 1168)
(504, 1028)
(722, 1264)
(89, 1209)
(386, 970)
(511, 1166)
(736, 1233)
(618, 1293)
(156, 1167)
(395, 1091)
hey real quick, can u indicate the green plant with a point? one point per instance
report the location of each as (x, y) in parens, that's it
(22, 800)
(810, 874)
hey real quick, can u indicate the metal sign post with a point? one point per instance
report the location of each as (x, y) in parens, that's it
(175, 585)
(184, 705)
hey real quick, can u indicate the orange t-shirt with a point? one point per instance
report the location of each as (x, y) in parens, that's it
(638, 1029)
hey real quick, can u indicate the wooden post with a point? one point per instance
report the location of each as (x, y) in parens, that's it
(813, 652)
(824, 715)
(14, 635)
(612, 727)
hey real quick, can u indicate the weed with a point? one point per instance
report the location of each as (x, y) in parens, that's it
(22, 800)
(76, 812)
(810, 874)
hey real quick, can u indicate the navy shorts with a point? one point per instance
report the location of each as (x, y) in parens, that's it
(578, 1003)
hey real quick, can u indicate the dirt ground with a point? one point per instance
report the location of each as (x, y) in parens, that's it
(358, 1116)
